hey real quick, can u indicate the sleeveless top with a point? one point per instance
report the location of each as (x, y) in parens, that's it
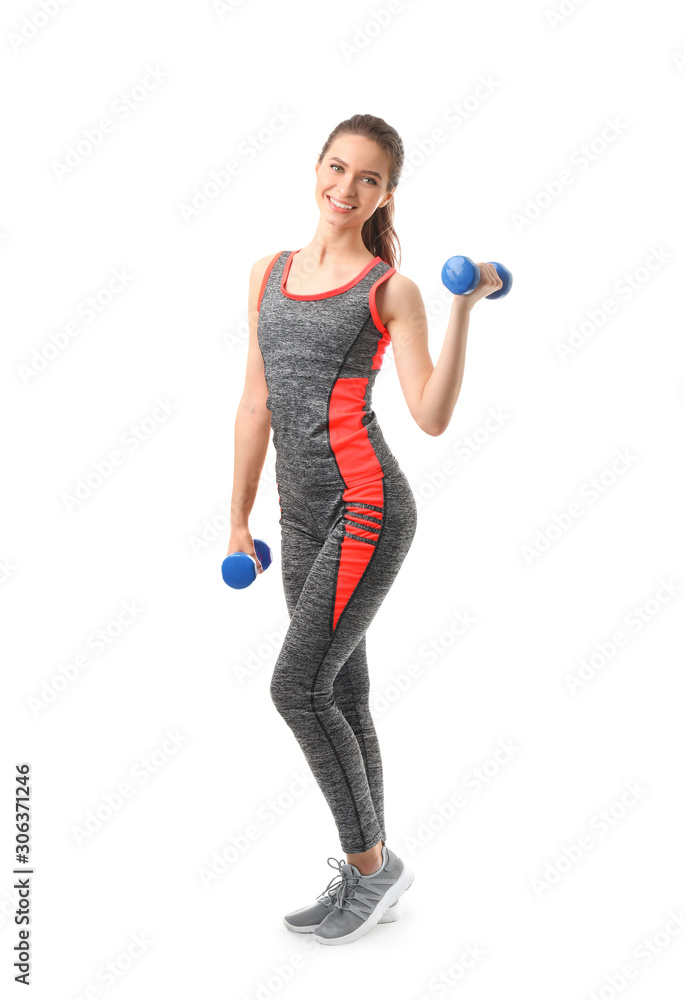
(322, 354)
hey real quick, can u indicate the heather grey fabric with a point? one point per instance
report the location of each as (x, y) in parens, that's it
(348, 518)
(307, 346)
(320, 682)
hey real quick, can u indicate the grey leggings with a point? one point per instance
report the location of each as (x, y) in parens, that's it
(341, 549)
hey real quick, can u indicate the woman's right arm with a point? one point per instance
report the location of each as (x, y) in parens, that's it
(252, 428)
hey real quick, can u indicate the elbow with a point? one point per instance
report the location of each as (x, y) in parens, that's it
(428, 423)
(429, 419)
(433, 429)
(255, 407)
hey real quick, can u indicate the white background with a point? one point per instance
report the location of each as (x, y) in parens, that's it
(153, 533)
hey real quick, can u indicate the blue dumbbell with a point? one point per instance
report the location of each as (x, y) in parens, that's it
(462, 276)
(239, 568)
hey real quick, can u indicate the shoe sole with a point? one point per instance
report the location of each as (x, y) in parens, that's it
(309, 929)
(392, 915)
(391, 896)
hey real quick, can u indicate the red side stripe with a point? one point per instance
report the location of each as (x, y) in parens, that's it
(355, 555)
(349, 439)
(352, 529)
(362, 473)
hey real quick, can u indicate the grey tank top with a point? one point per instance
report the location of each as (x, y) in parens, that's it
(322, 354)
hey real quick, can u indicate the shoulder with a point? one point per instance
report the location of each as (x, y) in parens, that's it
(261, 266)
(258, 276)
(395, 296)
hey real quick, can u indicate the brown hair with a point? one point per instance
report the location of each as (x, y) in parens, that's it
(378, 233)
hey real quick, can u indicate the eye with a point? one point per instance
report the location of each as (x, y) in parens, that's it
(337, 166)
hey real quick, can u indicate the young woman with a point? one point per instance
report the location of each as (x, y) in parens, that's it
(320, 320)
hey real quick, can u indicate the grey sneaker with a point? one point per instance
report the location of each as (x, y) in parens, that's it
(363, 900)
(307, 918)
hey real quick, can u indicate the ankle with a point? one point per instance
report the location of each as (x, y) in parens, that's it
(370, 868)
(370, 865)
(370, 861)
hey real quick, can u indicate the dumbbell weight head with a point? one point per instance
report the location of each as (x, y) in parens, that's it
(461, 276)
(263, 552)
(239, 569)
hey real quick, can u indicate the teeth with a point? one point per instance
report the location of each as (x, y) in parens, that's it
(340, 205)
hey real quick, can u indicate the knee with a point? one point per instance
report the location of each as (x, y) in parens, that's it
(277, 689)
(286, 694)
(294, 699)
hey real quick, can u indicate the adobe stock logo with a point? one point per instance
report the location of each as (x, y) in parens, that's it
(580, 159)
(32, 24)
(633, 623)
(650, 947)
(600, 824)
(221, 177)
(624, 290)
(93, 136)
(591, 491)
(473, 782)
(90, 308)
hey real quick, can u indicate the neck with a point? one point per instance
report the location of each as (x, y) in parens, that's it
(333, 246)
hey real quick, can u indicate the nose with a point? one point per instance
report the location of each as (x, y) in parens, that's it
(347, 190)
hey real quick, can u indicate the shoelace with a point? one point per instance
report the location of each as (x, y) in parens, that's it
(341, 884)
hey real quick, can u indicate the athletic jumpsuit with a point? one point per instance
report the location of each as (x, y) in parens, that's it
(347, 519)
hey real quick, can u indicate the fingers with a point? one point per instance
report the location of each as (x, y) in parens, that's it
(490, 276)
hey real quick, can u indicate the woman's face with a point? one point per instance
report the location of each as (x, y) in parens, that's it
(354, 171)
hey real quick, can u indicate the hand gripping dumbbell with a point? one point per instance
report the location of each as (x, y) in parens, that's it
(462, 276)
(239, 569)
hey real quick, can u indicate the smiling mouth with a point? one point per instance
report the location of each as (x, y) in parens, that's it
(340, 204)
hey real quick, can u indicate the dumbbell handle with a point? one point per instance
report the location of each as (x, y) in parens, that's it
(462, 276)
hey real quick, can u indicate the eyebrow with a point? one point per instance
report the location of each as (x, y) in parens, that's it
(374, 172)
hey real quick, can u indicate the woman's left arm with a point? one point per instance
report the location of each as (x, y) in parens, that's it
(431, 391)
